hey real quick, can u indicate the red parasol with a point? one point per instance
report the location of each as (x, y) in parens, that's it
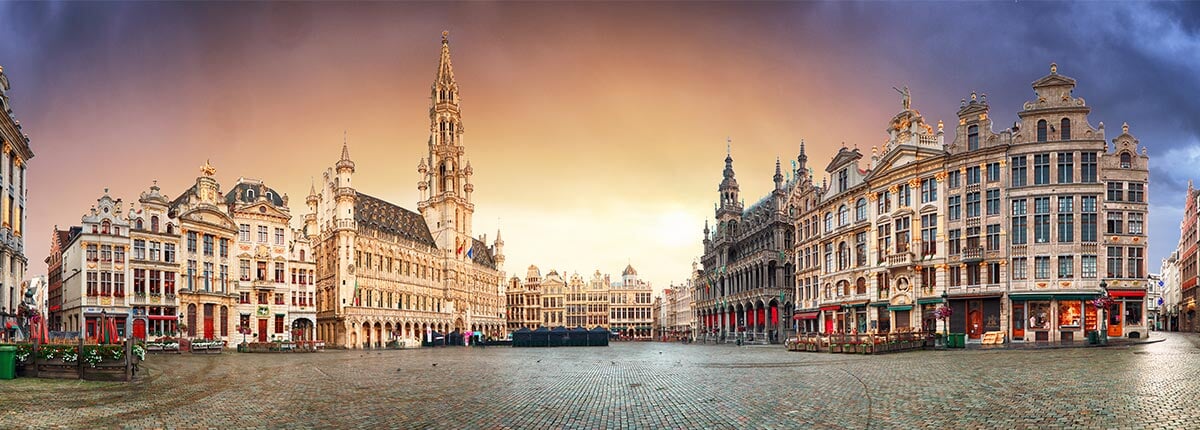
(112, 331)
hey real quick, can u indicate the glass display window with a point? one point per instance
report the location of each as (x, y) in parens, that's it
(1070, 313)
(1040, 314)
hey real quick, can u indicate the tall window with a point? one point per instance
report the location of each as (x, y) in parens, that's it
(885, 202)
(139, 249)
(279, 272)
(993, 201)
(1066, 167)
(244, 232)
(972, 238)
(208, 244)
(842, 180)
(1066, 219)
(1020, 229)
(929, 190)
(262, 234)
(903, 233)
(168, 252)
(1041, 130)
(1087, 167)
(993, 237)
(1066, 266)
(973, 204)
(1135, 223)
(929, 234)
(973, 175)
(224, 251)
(954, 207)
(828, 221)
(860, 212)
(843, 215)
(1041, 220)
(843, 255)
(1020, 268)
(1137, 192)
(1115, 221)
(244, 267)
(1087, 230)
(1065, 129)
(1041, 169)
(904, 196)
(993, 273)
(955, 241)
(860, 249)
(953, 179)
(1116, 191)
(1126, 160)
(191, 241)
(1089, 266)
(279, 236)
(972, 138)
(1115, 253)
(1020, 174)
(1135, 262)
(1041, 267)
(829, 256)
(884, 235)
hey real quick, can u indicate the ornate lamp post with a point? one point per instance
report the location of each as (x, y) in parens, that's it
(1103, 335)
(946, 321)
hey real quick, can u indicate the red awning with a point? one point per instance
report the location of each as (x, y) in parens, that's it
(805, 316)
(1127, 293)
(831, 308)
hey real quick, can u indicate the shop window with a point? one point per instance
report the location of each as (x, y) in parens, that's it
(1039, 315)
(1133, 313)
(1069, 313)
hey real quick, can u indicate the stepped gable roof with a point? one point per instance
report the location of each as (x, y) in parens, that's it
(481, 255)
(383, 216)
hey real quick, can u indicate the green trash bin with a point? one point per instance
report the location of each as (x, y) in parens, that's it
(1093, 337)
(8, 362)
(958, 340)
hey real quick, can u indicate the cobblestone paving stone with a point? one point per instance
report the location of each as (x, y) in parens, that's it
(634, 386)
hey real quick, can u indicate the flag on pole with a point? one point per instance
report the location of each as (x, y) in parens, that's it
(471, 252)
(458, 243)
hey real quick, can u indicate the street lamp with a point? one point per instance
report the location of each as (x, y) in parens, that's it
(1104, 315)
(945, 322)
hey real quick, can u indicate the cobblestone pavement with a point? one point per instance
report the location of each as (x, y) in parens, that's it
(635, 385)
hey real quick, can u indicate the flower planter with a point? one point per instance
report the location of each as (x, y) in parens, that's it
(105, 371)
(57, 369)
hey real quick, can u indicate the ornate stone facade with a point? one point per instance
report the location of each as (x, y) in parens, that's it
(14, 153)
(1013, 230)
(154, 260)
(97, 267)
(386, 273)
(207, 294)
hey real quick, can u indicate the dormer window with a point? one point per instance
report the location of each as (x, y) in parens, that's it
(138, 224)
(1065, 128)
(153, 224)
(1041, 130)
(105, 227)
(1126, 160)
(843, 180)
(972, 138)
(250, 195)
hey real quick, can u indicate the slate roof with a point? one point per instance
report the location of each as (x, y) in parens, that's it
(238, 194)
(481, 255)
(375, 213)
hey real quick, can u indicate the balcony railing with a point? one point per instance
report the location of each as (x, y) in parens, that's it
(899, 259)
(1020, 250)
(974, 253)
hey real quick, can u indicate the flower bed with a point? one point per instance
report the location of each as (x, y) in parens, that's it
(207, 346)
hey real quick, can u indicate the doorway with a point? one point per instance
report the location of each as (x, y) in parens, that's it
(262, 329)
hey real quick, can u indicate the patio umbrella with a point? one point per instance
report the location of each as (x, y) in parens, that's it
(100, 330)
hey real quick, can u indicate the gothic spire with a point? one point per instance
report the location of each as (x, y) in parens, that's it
(445, 72)
(778, 175)
(345, 161)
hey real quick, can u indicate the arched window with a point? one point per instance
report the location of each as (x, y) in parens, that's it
(828, 221)
(170, 229)
(844, 287)
(138, 224)
(860, 286)
(1065, 129)
(154, 224)
(270, 196)
(1126, 160)
(104, 227)
(881, 281)
(249, 194)
(843, 215)
(301, 255)
(1041, 130)
(860, 209)
(972, 138)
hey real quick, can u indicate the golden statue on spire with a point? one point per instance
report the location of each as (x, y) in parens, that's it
(207, 169)
(905, 96)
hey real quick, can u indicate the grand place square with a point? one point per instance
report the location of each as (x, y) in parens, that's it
(490, 215)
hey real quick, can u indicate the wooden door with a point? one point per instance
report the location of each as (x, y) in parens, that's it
(139, 328)
(1114, 320)
(262, 330)
(208, 326)
(975, 324)
(1018, 321)
(828, 324)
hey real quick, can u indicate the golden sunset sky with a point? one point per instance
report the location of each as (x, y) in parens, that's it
(597, 131)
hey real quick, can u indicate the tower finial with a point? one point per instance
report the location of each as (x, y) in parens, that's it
(445, 36)
(728, 146)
